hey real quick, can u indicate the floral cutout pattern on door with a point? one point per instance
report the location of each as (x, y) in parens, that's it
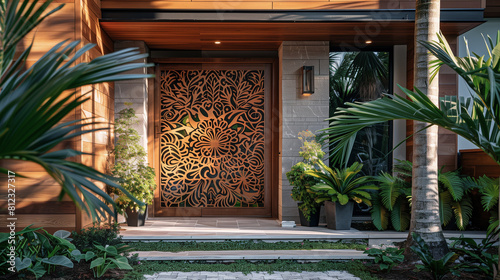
(212, 138)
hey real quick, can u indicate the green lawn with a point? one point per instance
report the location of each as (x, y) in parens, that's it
(356, 268)
(244, 245)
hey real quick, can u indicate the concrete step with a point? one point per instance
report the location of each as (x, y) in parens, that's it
(254, 255)
(374, 238)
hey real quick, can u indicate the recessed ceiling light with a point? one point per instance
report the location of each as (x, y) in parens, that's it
(217, 42)
(369, 42)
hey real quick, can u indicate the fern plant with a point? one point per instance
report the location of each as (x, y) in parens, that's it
(392, 203)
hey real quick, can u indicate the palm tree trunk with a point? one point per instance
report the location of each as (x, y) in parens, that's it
(425, 196)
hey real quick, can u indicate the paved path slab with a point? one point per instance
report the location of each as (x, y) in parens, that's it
(306, 255)
(269, 230)
(276, 275)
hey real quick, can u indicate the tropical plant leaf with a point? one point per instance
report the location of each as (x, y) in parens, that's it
(97, 262)
(379, 214)
(390, 189)
(121, 262)
(452, 182)
(59, 260)
(400, 215)
(445, 208)
(35, 102)
(343, 198)
(489, 192)
(476, 119)
(22, 264)
(463, 212)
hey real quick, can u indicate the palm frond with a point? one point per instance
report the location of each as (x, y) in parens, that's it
(452, 182)
(379, 214)
(489, 192)
(445, 209)
(390, 189)
(463, 212)
(475, 118)
(400, 215)
(35, 102)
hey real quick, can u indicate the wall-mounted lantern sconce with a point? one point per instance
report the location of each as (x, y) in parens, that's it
(307, 80)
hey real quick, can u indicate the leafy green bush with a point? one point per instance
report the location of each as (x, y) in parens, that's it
(37, 251)
(311, 148)
(438, 268)
(136, 176)
(301, 190)
(477, 257)
(101, 235)
(386, 258)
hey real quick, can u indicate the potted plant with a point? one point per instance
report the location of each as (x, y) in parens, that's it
(309, 209)
(130, 167)
(339, 189)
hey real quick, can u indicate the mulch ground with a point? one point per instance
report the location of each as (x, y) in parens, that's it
(80, 271)
(409, 272)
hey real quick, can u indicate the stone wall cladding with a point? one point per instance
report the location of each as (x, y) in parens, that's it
(300, 112)
(134, 91)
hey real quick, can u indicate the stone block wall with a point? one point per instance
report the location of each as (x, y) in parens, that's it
(300, 112)
(134, 91)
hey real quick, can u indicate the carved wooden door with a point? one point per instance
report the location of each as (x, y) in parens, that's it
(212, 140)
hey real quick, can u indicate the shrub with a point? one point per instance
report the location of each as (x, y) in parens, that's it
(386, 258)
(37, 252)
(438, 268)
(97, 235)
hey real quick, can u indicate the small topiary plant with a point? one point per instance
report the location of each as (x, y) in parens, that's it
(130, 164)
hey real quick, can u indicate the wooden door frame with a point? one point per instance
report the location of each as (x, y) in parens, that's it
(271, 128)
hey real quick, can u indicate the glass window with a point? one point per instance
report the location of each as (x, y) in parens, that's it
(358, 77)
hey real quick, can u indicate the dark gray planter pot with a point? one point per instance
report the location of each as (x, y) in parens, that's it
(314, 219)
(338, 216)
(136, 218)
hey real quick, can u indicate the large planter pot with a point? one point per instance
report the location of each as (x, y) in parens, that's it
(314, 219)
(136, 218)
(338, 216)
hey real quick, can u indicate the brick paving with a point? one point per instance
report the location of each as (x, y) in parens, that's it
(276, 275)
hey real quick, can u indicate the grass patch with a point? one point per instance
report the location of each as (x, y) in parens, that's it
(356, 268)
(244, 245)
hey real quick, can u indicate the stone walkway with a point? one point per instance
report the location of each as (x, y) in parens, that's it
(277, 275)
(303, 255)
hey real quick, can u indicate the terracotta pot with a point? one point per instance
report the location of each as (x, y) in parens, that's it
(338, 216)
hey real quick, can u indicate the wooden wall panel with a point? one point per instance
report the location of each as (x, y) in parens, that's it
(37, 195)
(492, 9)
(100, 107)
(477, 163)
(279, 4)
(50, 222)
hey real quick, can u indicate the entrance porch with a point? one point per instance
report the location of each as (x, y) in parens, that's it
(215, 229)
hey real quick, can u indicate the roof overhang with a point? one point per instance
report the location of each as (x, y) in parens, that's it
(126, 15)
(265, 30)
